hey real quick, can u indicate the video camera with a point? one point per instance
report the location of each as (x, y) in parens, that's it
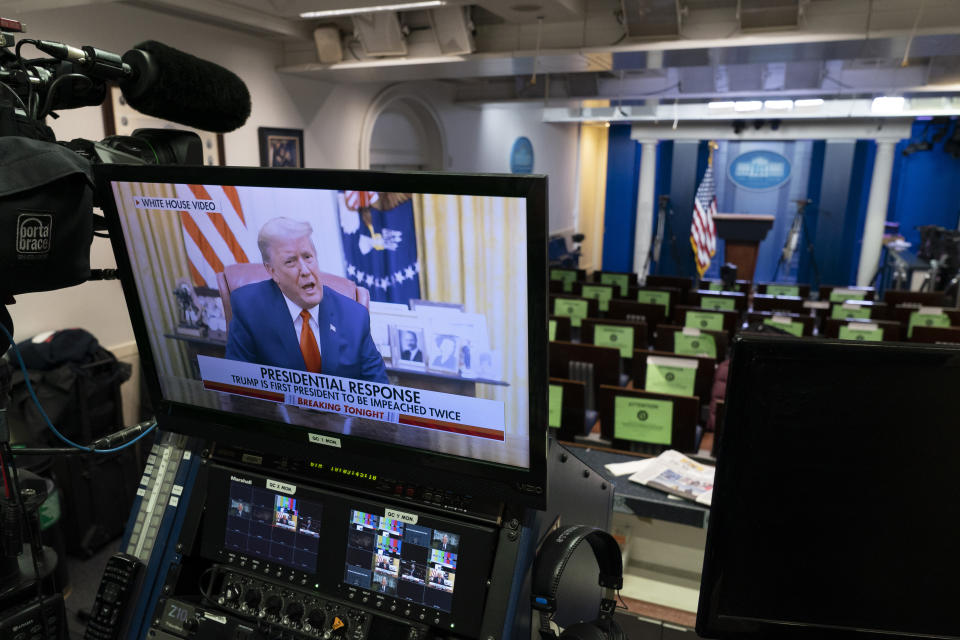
(942, 248)
(46, 188)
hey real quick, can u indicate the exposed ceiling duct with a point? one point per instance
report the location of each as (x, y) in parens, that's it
(614, 49)
(768, 14)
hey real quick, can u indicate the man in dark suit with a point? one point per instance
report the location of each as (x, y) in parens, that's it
(410, 347)
(294, 322)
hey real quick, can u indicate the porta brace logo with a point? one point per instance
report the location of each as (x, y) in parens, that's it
(34, 232)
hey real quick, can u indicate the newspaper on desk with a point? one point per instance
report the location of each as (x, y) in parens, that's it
(676, 474)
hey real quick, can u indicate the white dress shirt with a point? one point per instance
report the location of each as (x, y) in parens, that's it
(314, 312)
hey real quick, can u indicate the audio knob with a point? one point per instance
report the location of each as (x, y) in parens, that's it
(294, 612)
(232, 592)
(251, 598)
(338, 628)
(315, 619)
(273, 604)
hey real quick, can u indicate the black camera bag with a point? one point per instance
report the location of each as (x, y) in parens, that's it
(46, 216)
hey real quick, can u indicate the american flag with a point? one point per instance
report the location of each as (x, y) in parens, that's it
(213, 238)
(356, 200)
(703, 233)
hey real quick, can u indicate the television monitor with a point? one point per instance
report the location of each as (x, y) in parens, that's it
(833, 513)
(377, 324)
(414, 564)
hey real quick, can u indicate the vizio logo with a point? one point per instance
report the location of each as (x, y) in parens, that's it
(34, 232)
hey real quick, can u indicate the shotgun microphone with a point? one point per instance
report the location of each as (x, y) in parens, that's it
(176, 86)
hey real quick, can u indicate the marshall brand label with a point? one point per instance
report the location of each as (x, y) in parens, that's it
(34, 232)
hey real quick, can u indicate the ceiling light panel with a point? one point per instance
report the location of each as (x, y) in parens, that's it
(354, 11)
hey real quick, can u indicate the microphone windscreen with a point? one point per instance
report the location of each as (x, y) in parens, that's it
(185, 89)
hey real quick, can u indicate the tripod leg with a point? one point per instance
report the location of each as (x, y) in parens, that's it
(673, 241)
(813, 258)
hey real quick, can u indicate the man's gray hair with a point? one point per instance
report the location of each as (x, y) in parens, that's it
(280, 228)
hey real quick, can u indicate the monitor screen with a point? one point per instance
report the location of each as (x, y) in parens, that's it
(343, 306)
(409, 561)
(832, 508)
(272, 527)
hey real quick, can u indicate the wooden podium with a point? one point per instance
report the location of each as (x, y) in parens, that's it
(742, 233)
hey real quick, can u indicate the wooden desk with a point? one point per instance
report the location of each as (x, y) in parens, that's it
(788, 304)
(664, 340)
(677, 282)
(698, 296)
(199, 346)
(803, 292)
(806, 320)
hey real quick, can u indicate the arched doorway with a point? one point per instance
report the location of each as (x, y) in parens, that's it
(401, 131)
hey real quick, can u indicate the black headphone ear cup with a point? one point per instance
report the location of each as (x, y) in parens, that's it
(583, 631)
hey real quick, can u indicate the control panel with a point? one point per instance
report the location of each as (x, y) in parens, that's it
(444, 499)
(289, 608)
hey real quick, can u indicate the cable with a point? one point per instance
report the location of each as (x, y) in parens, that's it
(536, 55)
(46, 418)
(22, 42)
(53, 88)
(36, 544)
(204, 592)
(15, 95)
(913, 34)
(834, 80)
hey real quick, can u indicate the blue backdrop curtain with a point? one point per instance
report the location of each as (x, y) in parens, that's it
(926, 185)
(620, 213)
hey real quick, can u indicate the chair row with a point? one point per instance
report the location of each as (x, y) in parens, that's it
(564, 281)
(627, 417)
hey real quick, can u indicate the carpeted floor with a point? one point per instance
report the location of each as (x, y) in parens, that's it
(81, 590)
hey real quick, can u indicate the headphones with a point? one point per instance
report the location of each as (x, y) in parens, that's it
(556, 551)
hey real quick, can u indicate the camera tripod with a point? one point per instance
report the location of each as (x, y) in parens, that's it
(664, 222)
(797, 228)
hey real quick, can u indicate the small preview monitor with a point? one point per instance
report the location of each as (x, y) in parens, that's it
(394, 323)
(833, 513)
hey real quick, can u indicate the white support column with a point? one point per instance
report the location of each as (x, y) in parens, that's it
(872, 242)
(645, 196)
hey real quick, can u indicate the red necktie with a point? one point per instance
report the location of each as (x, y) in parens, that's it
(308, 345)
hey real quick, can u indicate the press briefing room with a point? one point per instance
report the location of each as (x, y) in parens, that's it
(479, 319)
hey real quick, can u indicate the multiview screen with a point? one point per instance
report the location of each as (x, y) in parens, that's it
(409, 561)
(273, 527)
(397, 317)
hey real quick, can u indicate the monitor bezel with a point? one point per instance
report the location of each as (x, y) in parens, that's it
(746, 348)
(509, 484)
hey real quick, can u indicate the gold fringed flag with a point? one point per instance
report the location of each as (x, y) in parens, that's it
(703, 232)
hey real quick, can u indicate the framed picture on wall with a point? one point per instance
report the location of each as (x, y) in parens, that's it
(120, 119)
(281, 147)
